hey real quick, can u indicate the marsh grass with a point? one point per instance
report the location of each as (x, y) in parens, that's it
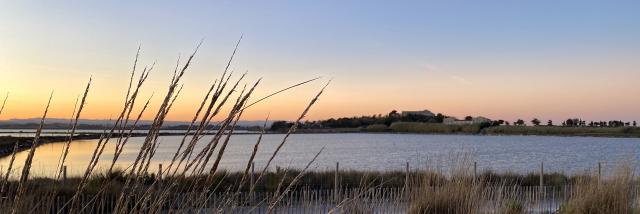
(615, 194)
(454, 191)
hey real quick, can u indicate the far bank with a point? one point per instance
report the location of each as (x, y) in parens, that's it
(482, 129)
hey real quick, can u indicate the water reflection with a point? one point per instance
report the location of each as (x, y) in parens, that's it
(367, 152)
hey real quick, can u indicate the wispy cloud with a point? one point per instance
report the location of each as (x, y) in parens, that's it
(460, 79)
(455, 78)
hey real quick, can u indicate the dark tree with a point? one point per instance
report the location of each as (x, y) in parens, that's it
(440, 117)
(549, 123)
(280, 126)
(394, 113)
(468, 118)
(520, 122)
(535, 122)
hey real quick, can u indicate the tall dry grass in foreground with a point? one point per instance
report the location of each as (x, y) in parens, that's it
(616, 194)
(460, 191)
(138, 194)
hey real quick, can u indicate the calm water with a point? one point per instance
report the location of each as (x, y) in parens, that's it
(375, 152)
(64, 132)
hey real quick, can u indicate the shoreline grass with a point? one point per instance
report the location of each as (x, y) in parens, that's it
(564, 131)
(323, 179)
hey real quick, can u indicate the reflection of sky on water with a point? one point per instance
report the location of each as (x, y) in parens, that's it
(372, 152)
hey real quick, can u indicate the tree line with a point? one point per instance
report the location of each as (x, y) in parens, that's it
(361, 121)
(395, 116)
(577, 122)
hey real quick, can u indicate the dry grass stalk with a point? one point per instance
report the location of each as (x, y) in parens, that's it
(208, 149)
(205, 191)
(4, 102)
(242, 99)
(294, 181)
(9, 168)
(151, 138)
(188, 131)
(105, 137)
(129, 104)
(27, 163)
(126, 99)
(133, 180)
(73, 128)
(120, 147)
(291, 130)
(234, 113)
(253, 155)
(152, 152)
(208, 116)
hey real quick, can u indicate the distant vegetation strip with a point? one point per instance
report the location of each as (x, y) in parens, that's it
(430, 123)
(416, 127)
(564, 131)
(485, 129)
(482, 129)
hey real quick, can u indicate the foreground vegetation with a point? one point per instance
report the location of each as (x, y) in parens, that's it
(134, 190)
(317, 180)
(456, 190)
(587, 194)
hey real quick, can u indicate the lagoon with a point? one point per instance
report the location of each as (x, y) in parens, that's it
(370, 151)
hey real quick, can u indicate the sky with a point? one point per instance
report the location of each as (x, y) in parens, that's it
(499, 59)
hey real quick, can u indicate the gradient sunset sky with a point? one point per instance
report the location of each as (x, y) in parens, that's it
(499, 59)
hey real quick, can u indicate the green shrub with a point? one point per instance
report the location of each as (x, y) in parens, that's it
(436, 128)
(376, 128)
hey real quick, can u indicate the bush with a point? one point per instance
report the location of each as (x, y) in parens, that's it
(436, 128)
(376, 128)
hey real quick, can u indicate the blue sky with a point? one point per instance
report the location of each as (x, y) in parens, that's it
(502, 59)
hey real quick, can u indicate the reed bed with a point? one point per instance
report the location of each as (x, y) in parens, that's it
(617, 194)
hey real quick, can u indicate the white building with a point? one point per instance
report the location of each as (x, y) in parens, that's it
(455, 121)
